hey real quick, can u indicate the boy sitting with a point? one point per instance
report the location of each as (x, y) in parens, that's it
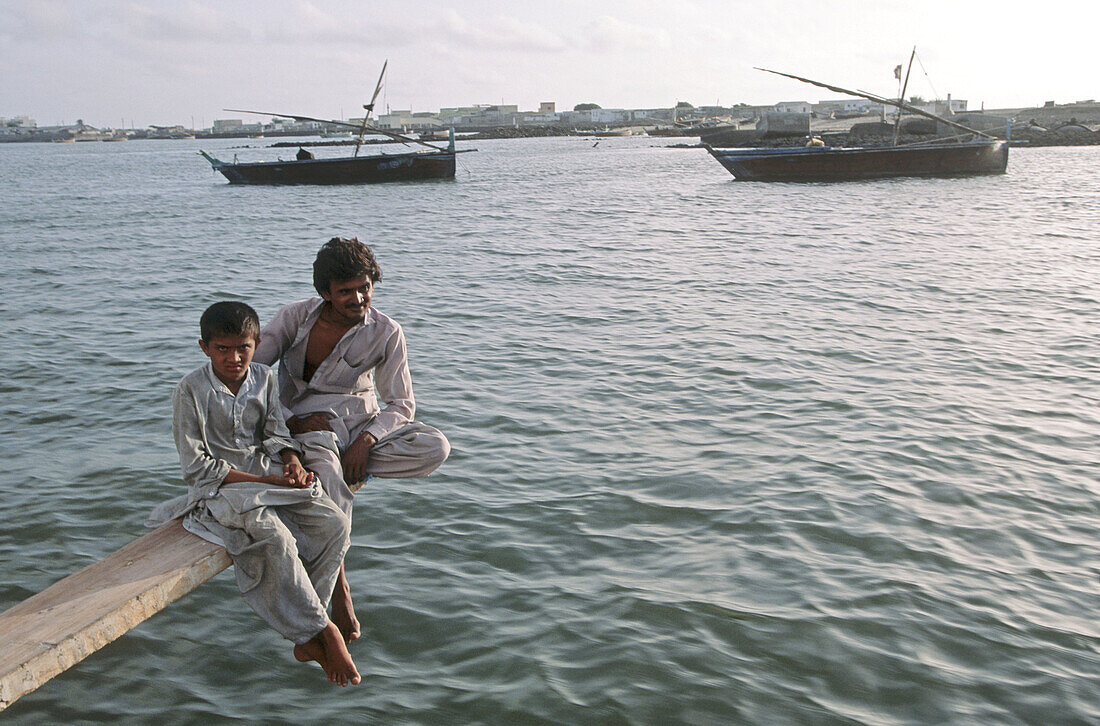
(285, 536)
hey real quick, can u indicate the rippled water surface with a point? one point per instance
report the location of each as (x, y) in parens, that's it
(723, 452)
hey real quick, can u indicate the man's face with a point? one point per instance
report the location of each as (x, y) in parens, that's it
(350, 299)
(229, 356)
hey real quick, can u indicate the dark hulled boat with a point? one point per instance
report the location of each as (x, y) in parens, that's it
(843, 164)
(438, 163)
(983, 154)
(371, 169)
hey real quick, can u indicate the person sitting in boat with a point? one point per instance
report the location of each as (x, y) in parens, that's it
(814, 141)
(304, 154)
(338, 357)
(248, 491)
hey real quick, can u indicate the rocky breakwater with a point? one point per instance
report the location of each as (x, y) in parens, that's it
(1071, 124)
(1069, 134)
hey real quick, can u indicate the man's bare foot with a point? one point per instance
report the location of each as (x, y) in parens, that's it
(343, 612)
(341, 665)
(328, 649)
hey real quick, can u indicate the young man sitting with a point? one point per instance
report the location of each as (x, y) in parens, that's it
(337, 357)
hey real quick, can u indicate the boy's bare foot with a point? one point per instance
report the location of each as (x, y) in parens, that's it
(328, 649)
(343, 612)
(313, 650)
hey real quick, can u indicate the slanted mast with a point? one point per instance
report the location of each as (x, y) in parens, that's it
(879, 99)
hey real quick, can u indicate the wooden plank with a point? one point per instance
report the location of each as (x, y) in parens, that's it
(60, 626)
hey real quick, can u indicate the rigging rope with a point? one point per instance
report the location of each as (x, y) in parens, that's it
(927, 78)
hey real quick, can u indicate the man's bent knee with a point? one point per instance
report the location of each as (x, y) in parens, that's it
(444, 448)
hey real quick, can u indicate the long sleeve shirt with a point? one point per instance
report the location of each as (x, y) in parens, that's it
(216, 431)
(370, 363)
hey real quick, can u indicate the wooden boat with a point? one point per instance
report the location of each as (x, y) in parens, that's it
(434, 135)
(371, 169)
(439, 163)
(984, 154)
(842, 164)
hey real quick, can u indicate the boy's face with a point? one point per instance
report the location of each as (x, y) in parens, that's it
(350, 299)
(230, 355)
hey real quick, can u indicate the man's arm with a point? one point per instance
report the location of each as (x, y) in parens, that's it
(277, 437)
(276, 337)
(393, 384)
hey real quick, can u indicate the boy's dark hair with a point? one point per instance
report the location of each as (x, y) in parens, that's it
(342, 259)
(229, 318)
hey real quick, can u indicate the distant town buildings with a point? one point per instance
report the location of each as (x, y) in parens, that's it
(793, 116)
(408, 120)
(847, 108)
(16, 126)
(17, 122)
(24, 128)
(793, 107)
(943, 108)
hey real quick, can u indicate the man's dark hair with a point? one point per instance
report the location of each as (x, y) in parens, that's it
(229, 318)
(343, 259)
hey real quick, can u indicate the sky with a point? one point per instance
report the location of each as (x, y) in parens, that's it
(126, 63)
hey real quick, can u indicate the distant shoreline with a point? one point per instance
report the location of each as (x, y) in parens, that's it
(1067, 125)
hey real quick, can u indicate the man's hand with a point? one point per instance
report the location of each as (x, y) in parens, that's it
(302, 424)
(356, 457)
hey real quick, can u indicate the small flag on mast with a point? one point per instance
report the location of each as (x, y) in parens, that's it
(897, 71)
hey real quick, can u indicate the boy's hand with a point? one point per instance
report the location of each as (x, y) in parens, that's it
(296, 474)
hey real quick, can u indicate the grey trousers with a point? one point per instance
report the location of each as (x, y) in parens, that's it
(286, 559)
(414, 450)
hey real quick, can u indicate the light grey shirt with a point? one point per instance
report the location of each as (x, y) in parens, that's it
(216, 431)
(369, 363)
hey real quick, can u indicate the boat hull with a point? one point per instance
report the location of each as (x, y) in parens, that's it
(842, 164)
(371, 169)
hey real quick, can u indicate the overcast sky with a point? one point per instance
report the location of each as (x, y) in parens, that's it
(115, 63)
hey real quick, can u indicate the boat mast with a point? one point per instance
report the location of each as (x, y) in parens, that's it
(375, 129)
(904, 87)
(370, 107)
(887, 101)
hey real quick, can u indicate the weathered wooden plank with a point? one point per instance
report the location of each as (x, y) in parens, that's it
(57, 628)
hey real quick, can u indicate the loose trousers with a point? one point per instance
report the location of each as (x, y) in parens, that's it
(414, 450)
(286, 557)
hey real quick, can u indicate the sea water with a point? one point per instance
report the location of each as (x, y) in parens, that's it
(723, 452)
